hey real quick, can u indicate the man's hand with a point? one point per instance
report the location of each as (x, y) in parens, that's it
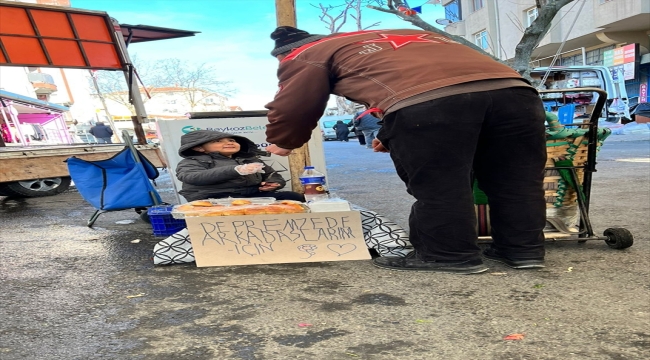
(378, 147)
(274, 149)
(268, 186)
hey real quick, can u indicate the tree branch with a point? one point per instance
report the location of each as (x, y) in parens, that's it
(534, 34)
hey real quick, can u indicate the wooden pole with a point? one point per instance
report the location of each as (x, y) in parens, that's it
(285, 11)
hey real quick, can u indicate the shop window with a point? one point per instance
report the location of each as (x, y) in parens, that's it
(453, 12)
(481, 40)
(595, 57)
(574, 60)
(531, 15)
(477, 5)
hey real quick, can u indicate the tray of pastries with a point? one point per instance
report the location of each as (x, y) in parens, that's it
(238, 207)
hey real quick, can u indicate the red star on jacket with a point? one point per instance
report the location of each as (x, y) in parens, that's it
(397, 41)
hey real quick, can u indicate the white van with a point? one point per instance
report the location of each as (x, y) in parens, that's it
(327, 123)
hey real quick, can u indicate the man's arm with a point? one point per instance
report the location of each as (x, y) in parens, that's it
(298, 104)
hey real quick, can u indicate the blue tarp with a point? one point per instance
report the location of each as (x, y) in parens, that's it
(117, 183)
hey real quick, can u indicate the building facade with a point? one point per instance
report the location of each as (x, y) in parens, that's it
(584, 32)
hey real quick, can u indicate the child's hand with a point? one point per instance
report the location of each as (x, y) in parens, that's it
(251, 168)
(268, 186)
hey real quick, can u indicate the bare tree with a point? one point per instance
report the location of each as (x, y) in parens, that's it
(114, 87)
(196, 81)
(532, 36)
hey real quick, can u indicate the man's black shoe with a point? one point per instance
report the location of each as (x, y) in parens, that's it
(413, 263)
(493, 255)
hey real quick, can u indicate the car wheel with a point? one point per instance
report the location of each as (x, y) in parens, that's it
(36, 188)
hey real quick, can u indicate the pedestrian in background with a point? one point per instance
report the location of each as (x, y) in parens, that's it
(369, 126)
(342, 131)
(360, 136)
(447, 110)
(102, 133)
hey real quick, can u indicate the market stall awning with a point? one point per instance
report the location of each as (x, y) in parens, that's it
(55, 36)
(142, 33)
(27, 105)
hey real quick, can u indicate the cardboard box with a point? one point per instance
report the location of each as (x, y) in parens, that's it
(275, 239)
(642, 119)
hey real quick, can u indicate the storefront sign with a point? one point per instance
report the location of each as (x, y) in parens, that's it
(643, 93)
(623, 58)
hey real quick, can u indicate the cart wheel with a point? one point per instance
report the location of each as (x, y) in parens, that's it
(619, 238)
(144, 216)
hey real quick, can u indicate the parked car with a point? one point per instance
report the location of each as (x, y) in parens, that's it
(327, 123)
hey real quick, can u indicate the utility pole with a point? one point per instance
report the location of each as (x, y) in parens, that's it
(285, 11)
(108, 114)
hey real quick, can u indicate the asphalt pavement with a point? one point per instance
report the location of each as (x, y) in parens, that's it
(70, 292)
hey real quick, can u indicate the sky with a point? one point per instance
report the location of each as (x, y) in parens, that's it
(234, 35)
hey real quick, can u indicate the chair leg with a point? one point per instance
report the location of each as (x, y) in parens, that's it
(93, 218)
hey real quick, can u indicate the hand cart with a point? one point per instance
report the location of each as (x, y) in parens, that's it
(572, 150)
(118, 183)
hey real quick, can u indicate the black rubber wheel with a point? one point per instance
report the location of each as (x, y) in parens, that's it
(144, 216)
(36, 188)
(618, 238)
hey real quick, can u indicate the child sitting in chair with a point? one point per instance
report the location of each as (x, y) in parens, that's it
(219, 165)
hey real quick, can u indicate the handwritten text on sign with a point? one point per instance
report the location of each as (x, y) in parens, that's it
(269, 239)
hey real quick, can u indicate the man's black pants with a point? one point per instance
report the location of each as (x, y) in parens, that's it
(500, 136)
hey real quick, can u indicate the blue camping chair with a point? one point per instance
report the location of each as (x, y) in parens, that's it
(119, 183)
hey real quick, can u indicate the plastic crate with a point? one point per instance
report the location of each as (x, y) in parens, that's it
(162, 221)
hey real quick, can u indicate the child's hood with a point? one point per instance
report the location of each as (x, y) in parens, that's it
(199, 137)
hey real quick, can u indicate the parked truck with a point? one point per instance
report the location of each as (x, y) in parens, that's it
(41, 170)
(573, 77)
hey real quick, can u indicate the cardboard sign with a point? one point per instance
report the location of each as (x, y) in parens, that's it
(274, 239)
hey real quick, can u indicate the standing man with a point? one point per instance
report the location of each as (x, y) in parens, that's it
(102, 133)
(447, 111)
(369, 125)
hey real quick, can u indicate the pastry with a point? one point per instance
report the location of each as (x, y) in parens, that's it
(233, 211)
(255, 210)
(240, 202)
(184, 207)
(204, 203)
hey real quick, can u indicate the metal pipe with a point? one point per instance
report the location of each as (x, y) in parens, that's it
(16, 122)
(103, 101)
(496, 19)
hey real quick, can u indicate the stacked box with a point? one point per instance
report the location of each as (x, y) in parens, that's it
(162, 221)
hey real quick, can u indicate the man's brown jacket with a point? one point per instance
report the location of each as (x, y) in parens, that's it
(378, 68)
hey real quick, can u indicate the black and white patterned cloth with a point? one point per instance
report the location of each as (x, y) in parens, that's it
(384, 236)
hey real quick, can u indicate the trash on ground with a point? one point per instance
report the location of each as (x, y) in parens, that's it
(135, 296)
(514, 337)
